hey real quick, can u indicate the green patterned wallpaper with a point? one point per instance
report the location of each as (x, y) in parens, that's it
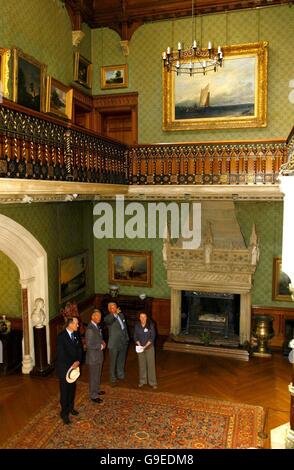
(273, 24)
(42, 29)
(62, 229)
(10, 290)
(85, 46)
(268, 219)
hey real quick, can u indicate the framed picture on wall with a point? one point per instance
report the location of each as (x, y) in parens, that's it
(58, 98)
(281, 282)
(73, 276)
(114, 76)
(28, 81)
(233, 97)
(4, 72)
(133, 268)
(83, 70)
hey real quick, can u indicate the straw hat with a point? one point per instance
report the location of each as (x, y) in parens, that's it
(72, 374)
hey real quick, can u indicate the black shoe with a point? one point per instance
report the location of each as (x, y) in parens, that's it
(96, 400)
(65, 419)
(101, 392)
(74, 412)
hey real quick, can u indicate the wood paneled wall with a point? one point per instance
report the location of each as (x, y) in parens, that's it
(280, 315)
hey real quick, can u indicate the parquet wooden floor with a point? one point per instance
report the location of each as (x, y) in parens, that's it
(260, 381)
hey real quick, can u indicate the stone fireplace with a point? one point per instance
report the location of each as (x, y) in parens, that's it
(210, 313)
(222, 266)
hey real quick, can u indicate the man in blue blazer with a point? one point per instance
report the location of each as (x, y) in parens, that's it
(94, 355)
(117, 342)
(69, 354)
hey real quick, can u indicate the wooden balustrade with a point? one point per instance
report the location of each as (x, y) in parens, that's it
(208, 163)
(34, 145)
(39, 147)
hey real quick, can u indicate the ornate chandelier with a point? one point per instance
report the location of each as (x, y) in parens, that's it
(194, 60)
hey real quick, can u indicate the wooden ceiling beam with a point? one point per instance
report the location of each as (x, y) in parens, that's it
(125, 16)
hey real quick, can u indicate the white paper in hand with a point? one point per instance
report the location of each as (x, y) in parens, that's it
(139, 349)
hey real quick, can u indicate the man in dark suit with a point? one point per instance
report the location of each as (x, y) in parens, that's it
(69, 354)
(94, 355)
(117, 342)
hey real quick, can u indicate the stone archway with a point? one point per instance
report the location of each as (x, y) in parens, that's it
(31, 260)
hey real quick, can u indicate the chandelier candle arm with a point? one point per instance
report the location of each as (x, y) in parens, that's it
(193, 60)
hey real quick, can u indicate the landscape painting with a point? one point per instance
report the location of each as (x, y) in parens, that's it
(59, 99)
(82, 70)
(130, 267)
(233, 96)
(114, 76)
(4, 72)
(72, 276)
(28, 81)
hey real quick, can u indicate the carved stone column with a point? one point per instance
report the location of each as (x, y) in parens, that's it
(245, 317)
(175, 311)
(27, 362)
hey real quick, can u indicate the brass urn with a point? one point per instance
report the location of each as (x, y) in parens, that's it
(262, 331)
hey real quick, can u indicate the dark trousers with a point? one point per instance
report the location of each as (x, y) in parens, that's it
(94, 379)
(67, 397)
(117, 358)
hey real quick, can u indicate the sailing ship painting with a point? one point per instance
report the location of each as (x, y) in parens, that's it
(228, 93)
(204, 97)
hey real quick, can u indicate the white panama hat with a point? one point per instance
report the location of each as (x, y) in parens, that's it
(72, 374)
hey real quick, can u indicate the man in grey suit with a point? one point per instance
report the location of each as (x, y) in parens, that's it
(117, 342)
(94, 355)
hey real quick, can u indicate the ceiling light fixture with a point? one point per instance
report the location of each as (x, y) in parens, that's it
(193, 60)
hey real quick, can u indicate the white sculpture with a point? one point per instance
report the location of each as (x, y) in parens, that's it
(38, 316)
(253, 247)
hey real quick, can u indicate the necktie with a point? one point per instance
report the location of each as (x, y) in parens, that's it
(120, 322)
(72, 337)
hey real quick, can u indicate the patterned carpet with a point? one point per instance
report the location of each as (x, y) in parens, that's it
(138, 419)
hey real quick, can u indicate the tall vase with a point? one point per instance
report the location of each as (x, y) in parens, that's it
(262, 331)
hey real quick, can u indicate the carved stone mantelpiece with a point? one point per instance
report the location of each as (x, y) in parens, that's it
(222, 263)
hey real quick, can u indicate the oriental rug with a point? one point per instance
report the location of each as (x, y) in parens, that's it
(131, 418)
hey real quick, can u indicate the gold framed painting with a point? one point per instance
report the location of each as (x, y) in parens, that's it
(73, 276)
(133, 268)
(83, 70)
(114, 76)
(281, 282)
(58, 98)
(4, 72)
(29, 77)
(233, 97)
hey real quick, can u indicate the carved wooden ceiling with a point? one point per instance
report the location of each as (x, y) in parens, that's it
(125, 16)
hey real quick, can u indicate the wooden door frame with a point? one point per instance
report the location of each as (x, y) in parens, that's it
(117, 103)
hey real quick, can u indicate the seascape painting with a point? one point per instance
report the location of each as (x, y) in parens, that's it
(228, 93)
(235, 96)
(72, 276)
(58, 100)
(130, 267)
